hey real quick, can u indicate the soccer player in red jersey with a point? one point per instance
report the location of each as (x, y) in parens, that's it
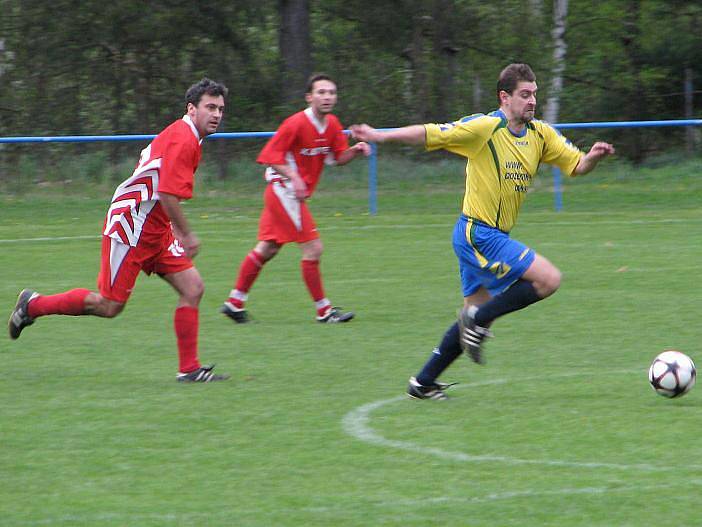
(295, 157)
(146, 230)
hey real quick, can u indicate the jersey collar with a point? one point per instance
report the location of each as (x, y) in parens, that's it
(500, 113)
(190, 123)
(321, 126)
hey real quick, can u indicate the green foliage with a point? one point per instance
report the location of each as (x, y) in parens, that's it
(122, 68)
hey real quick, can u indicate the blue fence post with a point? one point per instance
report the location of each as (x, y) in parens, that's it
(373, 180)
(557, 190)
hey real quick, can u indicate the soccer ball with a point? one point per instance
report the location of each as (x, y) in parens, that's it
(672, 374)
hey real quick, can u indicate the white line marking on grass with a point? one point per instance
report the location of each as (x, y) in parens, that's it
(200, 518)
(49, 239)
(529, 494)
(356, 424)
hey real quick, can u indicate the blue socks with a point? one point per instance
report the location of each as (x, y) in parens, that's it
(519, 295)
(442, 357)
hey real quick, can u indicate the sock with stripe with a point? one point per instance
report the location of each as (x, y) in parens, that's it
(519, 295)
(442, 357)
(69, 303)
(248, 272)
(186, 324)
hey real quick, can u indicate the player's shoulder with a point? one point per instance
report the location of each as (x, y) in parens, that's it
(179, 130)
(179, 136)
(495, 119)
(542, 127)
(443, 127)
(548, 133)
(486, 123)
(292, 123)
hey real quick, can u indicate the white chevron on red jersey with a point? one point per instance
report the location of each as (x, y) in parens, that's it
(168, 165)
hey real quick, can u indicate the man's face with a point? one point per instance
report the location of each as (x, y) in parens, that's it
(207, 115)
(322, 98)
(521, 105)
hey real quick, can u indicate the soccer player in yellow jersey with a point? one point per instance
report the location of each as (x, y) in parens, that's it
(499, 274)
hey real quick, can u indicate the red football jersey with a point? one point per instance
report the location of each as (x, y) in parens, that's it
(307, 143)
(167, 165)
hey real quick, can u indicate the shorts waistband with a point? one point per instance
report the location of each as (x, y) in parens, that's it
(481, 223)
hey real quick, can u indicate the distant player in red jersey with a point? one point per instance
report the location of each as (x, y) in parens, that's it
(146, 230)
(295, 157)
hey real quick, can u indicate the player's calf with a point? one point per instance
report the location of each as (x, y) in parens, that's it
(471, 334)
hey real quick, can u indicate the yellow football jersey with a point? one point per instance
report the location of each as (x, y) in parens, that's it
(501, 165)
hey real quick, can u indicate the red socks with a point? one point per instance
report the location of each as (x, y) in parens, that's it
(313, 281)
(186, 326)
(251, 267)
(69, 303)
(73, 303)
(248, 272)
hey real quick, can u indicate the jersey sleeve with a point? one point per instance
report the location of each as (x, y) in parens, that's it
(177, 169)
(340, 142)
(559, 151)
(278, 145)
(465, 137)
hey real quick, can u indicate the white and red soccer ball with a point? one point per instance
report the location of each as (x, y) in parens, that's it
(672, 374)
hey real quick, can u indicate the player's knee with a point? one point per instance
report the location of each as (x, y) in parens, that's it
(271, 252)
(195, 291)
(200, 290)
(312, 255)
(551, 282)
(313, 251)
(267, 250)
(109, 309)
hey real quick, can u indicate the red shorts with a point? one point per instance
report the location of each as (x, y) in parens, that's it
(121, 264)
(285, 219)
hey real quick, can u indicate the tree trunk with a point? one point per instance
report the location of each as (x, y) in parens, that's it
(560, 47)
(295, 47)
(417, 70)
(445, 50)
(637, 97)
(478, 95)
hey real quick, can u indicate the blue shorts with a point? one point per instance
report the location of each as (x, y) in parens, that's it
(488, 257)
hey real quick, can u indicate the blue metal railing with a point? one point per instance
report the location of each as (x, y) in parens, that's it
(557, 176)
(372, 160)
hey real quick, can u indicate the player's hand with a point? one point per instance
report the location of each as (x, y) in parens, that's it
(601, 149)
(190, 244)
(364, 132)
(300, 188)
(362, 148)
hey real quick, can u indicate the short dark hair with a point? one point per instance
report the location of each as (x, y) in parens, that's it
(317, 77)
(204, 86)
(511, 76)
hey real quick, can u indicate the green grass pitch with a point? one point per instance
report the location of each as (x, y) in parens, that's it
(559, 428)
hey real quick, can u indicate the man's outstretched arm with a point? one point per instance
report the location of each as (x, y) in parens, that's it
(599, 151)
(351, 153)
(412, 135)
